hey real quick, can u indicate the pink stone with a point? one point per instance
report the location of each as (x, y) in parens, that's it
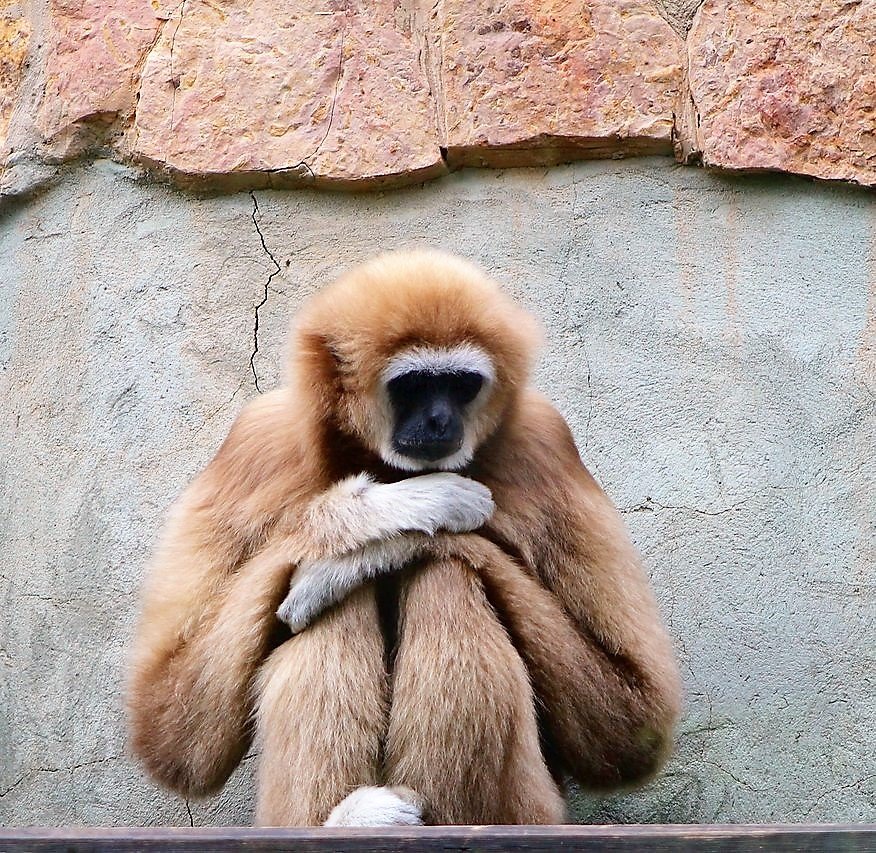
(296, 92)
(784, 85)
(532, 81)
(14, 41)
(95, 51)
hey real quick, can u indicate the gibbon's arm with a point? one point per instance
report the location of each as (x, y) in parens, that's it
(208, 609)
(585, 619)
(364, 528)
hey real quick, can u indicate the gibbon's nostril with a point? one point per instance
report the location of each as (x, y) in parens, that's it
(438, 424)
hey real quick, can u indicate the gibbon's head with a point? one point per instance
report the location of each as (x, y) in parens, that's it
(415, 354)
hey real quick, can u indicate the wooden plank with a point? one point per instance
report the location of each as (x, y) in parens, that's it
(444, 839)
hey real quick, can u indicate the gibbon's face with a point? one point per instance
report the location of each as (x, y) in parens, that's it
(431, 398)
(417, 356)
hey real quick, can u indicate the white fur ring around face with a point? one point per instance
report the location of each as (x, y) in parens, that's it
(376, 807)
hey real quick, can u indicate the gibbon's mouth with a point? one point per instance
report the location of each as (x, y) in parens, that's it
(453, 458)
(427, 451)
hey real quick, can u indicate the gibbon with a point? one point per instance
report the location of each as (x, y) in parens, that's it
(467, 624)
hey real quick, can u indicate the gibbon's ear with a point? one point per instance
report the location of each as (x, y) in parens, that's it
(316, 366)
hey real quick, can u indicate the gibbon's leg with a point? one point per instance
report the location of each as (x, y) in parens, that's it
(321, 715)
(462, 730)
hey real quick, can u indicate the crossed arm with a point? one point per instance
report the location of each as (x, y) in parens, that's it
(361, 528)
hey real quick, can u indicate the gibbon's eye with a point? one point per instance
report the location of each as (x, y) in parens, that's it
(461, 386)
(465, 385)
(403, 389)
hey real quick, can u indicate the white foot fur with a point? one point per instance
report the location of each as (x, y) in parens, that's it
(377, 807)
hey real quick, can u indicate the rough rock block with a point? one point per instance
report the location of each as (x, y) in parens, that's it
(14, 40)
(96, 48)
(530, 81)
(288, 92)
(679, 13)
(784, 85)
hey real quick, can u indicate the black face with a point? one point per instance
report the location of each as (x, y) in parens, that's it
(429, 412)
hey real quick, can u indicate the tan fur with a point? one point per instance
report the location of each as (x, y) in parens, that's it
(472, 752)
(545, 607)
(322, 707)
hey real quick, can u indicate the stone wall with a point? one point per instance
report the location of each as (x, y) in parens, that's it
(388, 92)
(710, 337)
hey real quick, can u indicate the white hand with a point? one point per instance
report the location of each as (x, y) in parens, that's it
(433, 502)
(305, 600)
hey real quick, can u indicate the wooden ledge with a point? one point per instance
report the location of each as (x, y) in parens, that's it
(450, 839)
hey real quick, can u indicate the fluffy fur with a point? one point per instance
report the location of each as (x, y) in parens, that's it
(371, 806)
(543, 606)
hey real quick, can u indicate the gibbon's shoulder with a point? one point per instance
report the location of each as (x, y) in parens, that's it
(537, 450)
(540, 425)
(262, 452)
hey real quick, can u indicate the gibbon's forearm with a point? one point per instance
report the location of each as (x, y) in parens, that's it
(189, 700)
(364, 528)
(318, 584)
(357, 511)
(608, 707)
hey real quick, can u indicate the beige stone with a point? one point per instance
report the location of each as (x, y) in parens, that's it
(297, 93)
(96, 48)
(545, 80)
(14, 42)
(784, 85)
(361, 94)
(679, 13)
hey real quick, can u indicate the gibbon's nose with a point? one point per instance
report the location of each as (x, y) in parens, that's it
(441, 431)
(439, 418)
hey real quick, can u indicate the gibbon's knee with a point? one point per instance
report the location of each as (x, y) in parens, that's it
(321, 715)
(463, 731)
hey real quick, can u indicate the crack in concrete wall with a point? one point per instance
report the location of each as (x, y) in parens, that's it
(255, 332)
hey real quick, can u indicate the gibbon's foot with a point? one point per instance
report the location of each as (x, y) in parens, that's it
(377, 807)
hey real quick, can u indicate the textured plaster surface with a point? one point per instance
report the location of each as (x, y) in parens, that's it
(711, 343)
